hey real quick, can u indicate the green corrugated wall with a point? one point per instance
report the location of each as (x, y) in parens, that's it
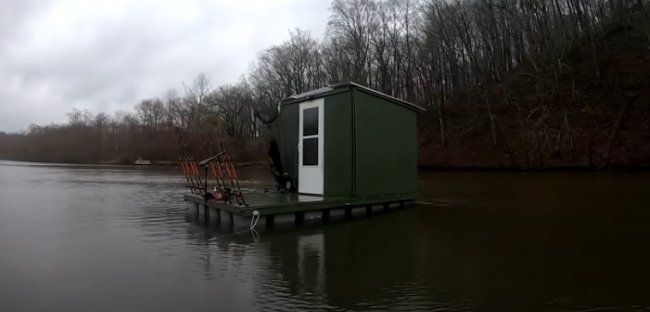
(386, 147)
(338, 145)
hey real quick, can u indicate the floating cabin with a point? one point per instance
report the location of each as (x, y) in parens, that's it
(345, 150)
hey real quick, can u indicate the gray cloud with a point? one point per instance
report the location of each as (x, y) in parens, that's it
(108, 55)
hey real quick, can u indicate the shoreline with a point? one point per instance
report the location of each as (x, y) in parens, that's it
(154, 163)
(421, 168)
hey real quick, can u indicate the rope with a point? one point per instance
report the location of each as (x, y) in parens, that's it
(254, 219)
(255, 214)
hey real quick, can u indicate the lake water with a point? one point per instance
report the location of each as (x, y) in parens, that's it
(92, 238)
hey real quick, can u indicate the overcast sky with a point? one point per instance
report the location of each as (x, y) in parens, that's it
(105, 56)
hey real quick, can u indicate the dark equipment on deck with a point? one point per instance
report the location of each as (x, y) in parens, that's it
(282, 179)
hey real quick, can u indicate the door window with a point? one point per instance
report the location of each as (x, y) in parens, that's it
(310, 136)
(310, 121)
(310, 152)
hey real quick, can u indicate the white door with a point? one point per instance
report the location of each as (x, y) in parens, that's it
(310, 147)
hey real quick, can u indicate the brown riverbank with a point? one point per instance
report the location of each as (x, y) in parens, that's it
(589, 111)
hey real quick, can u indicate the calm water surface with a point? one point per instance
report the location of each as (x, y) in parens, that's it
(90, 238)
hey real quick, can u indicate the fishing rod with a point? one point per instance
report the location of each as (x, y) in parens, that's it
(222, 192)
(232, 174)
(208, 164)
(191, 165)
(183, 159)
(217, 164)
(219, 194)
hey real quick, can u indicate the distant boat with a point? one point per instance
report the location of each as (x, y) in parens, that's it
(141, 161)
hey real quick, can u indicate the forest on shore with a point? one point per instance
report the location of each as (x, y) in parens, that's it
(511, 84)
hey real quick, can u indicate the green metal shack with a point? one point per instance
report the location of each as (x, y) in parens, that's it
(350, 141)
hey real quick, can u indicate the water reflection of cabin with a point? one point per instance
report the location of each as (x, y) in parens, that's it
(350, 141)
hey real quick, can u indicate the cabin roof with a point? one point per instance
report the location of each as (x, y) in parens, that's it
(336, 88)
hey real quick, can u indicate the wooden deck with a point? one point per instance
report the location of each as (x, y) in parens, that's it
(296, 205)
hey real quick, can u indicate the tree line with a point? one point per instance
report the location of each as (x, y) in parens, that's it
(489, 72)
